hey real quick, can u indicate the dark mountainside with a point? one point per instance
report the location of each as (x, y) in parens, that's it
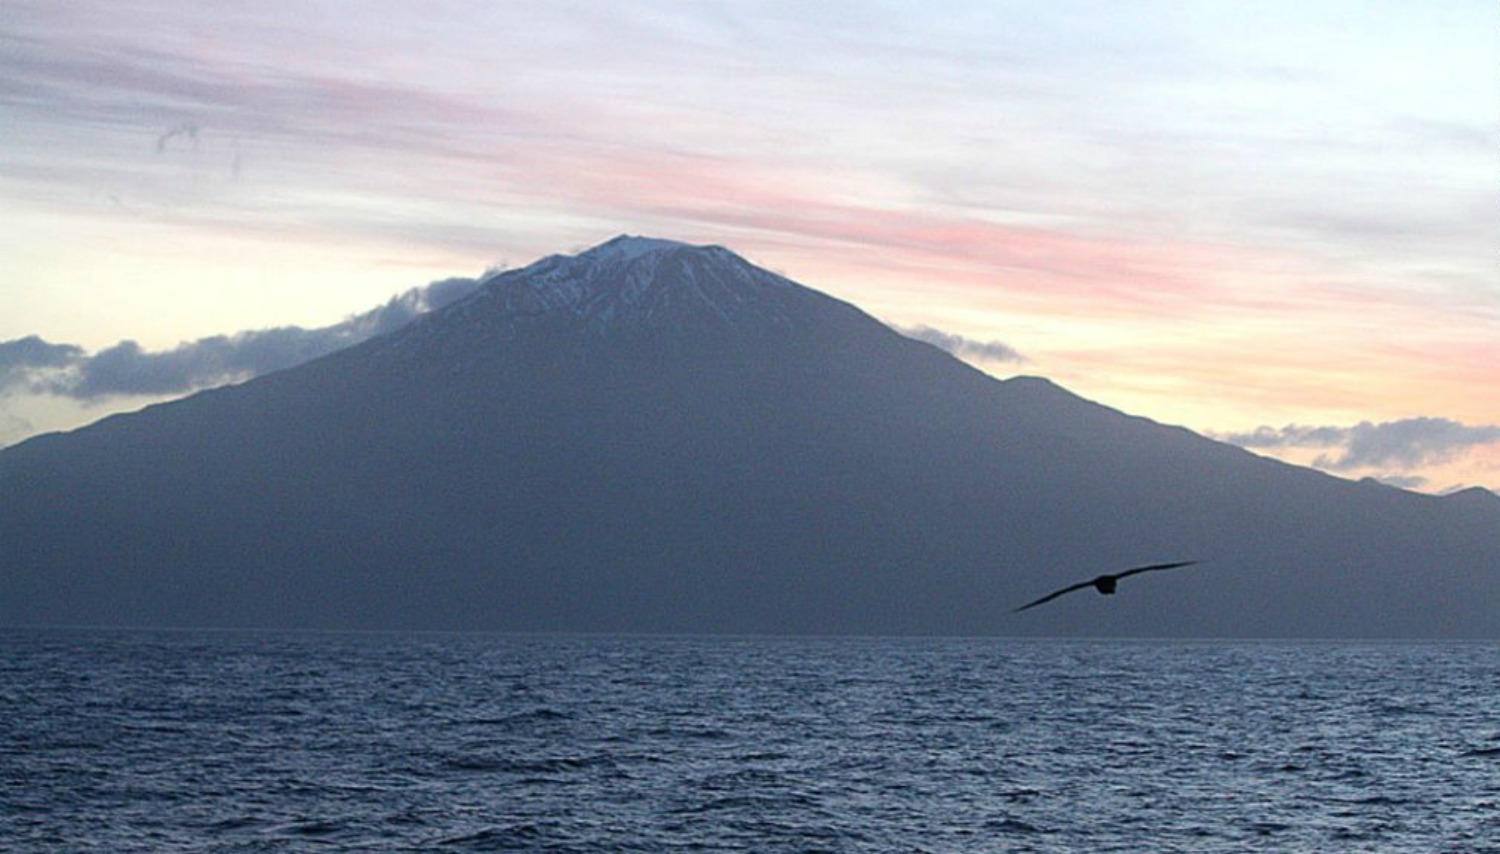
(652, 437)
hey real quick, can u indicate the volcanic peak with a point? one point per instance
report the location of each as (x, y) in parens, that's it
(642, 282)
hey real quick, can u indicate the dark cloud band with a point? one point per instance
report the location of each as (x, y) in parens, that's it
(33, 365)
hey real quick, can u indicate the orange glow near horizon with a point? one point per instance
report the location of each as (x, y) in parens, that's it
(1212, 228)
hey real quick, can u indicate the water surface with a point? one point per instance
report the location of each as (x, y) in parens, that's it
(179, 741)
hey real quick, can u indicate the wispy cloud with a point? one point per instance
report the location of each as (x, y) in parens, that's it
(1143, 196)
(964, 348)
(633, 147)
(32, 365)
(187, 129)
(1405, 444)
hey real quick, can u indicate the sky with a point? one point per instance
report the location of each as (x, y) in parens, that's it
(1274, 223)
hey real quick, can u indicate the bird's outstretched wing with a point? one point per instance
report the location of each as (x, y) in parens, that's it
(1054, 594)
(1152, 568)
(1092, 582)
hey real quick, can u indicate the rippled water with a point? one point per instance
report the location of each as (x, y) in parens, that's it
(278, 742)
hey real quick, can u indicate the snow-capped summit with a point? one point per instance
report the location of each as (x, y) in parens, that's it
(639, 283)
(629, 247)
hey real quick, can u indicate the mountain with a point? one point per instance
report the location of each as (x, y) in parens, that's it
(655, 437)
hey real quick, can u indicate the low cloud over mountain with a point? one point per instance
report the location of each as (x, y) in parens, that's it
(36, 366)
(964, 348)
(1406, 444)
(23, 357)
(33, 365)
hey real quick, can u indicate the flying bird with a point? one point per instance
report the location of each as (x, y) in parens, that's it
(1105, 583)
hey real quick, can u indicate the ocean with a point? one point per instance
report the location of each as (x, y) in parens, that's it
(126, 741)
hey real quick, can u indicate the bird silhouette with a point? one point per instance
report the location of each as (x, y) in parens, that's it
(1104, 583)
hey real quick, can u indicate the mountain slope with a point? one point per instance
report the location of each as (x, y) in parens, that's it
(650, 436)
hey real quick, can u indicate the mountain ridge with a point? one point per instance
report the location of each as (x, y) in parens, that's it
(634, 462)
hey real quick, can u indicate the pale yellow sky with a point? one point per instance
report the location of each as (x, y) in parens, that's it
(1227, 216)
